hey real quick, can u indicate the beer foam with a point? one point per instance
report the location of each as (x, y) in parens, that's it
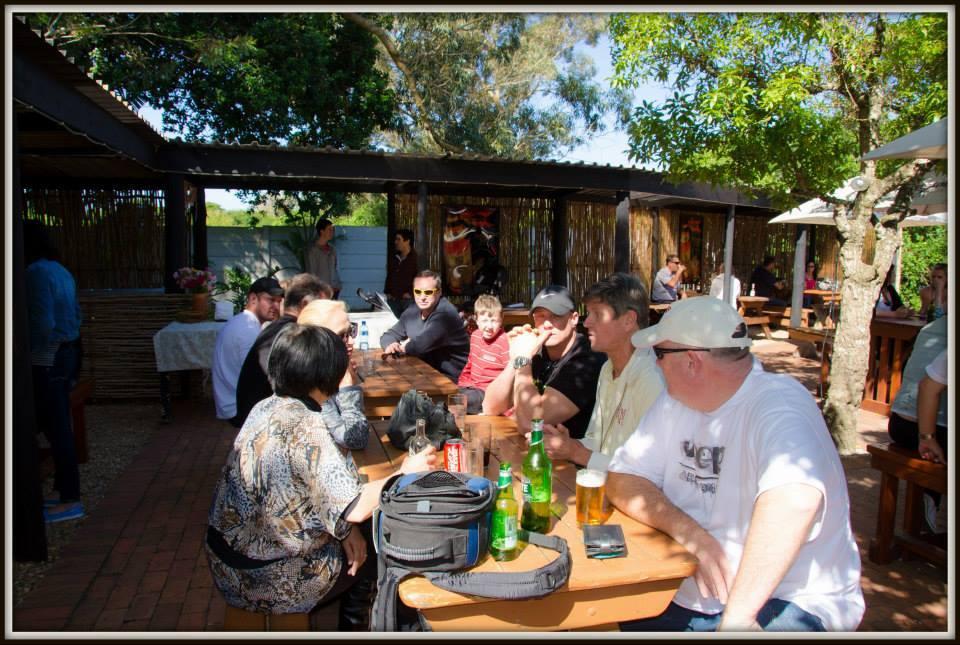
(591, 478)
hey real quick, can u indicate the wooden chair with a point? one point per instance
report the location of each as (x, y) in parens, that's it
(898, 463)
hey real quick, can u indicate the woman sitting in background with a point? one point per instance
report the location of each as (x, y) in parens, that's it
(289, 527)
(933, 298)
(889, 304)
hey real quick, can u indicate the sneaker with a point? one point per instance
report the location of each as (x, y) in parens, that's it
(930, 512)
(72, 511)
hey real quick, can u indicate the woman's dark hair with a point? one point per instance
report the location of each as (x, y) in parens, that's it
(304, 357)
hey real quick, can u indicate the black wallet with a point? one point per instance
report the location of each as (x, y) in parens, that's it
(604, 541)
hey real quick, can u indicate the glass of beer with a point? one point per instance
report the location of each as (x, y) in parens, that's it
(591, 500)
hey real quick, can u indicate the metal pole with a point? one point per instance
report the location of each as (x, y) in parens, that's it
(728, 255)
(621, 241)
(799, 264)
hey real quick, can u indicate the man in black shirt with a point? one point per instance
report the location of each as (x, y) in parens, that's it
(552, 373)
(432, 331)
(253, 385)
(765, 283)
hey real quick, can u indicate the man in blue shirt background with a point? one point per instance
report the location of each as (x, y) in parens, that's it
(54, 314)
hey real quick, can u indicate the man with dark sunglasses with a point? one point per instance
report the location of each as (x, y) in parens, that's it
(433, 330)
(736, 464)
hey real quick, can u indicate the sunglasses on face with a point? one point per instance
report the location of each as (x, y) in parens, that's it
(349, 333)
(424, 292)
(663, 351)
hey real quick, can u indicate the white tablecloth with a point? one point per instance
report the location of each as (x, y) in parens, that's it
(186, 346)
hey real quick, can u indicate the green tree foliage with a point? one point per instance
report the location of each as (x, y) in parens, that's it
(785, 104)
(923, 246)
(510, 85)
(299, 78)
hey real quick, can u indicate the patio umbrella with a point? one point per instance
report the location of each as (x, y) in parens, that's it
(929, 142)
(929, 204)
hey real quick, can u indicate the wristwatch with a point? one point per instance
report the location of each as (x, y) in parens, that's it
(927, 437)
(520, 361)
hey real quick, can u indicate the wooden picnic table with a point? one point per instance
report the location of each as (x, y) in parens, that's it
(394, 376)
(599, 592)
(752, 312)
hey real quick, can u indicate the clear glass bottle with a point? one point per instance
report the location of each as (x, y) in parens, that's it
(420, 442)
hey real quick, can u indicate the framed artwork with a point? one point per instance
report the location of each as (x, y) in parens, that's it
(691, 247)
(470, 246)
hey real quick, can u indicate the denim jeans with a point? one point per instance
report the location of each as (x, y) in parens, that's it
(775, 616)
(51, 393)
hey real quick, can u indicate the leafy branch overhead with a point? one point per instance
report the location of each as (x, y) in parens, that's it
(511, 85)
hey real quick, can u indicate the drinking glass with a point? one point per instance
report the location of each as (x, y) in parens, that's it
(482, 433)
(457, 404)
(591, 500)
(369, 366)
(473, 443)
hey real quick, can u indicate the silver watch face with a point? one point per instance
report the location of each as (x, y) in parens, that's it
(520, 361)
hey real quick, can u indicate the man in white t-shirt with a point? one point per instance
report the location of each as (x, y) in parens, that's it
(736, 464)
(235, 340)
(629, 382)
(716, 287)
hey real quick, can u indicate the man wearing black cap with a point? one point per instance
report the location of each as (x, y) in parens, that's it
(552, 372)
(237, 337)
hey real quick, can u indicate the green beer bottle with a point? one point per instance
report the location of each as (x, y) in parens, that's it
(503, 529)
(537, 479)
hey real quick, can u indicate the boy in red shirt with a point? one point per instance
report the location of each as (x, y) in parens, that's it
(489, 352)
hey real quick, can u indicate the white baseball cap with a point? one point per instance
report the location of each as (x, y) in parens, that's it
(701, 321)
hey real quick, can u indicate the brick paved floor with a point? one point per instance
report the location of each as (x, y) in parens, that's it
(137, 563)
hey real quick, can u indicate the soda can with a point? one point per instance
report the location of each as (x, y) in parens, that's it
(455, 456)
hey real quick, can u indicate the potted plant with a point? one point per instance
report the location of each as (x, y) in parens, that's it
(199, 282)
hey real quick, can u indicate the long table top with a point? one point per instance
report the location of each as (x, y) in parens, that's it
(599, 592)
(393, 376)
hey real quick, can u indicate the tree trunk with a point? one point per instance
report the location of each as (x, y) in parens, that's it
(851, 343)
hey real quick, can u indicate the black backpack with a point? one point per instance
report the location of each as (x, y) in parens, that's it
(403, 422)
(437, 523)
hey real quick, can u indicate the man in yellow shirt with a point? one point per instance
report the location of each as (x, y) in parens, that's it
(630, 380)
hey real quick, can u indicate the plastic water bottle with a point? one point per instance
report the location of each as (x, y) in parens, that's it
(753, 290)
(364, 336)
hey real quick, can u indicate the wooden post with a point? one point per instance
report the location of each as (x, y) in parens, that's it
(201, 257)
(174, 232)
(29, 530)
(423, 250)
(728, 253)
(655, 244)
(558, 244)
(621, 240)
(799, 266)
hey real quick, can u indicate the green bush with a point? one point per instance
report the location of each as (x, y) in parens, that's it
(923, 246)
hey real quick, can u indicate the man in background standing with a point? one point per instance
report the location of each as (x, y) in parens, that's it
(401, 270)
(54, 314)
(235, 340)
(322, 257)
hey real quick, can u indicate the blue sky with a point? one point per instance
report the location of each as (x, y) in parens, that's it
(608, 148)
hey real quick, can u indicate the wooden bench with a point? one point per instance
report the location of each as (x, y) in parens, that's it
(896, 463)
(763, 321)
(241, 620)
(777, 313)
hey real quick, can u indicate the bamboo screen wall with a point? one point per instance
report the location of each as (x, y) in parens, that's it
(108, 239)
(591, 228)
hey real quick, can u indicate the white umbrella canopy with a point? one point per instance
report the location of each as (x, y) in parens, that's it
(930, 205)
(929, 142)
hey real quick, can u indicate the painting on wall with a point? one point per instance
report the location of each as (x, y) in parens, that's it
(470, 246)
(691, 247)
